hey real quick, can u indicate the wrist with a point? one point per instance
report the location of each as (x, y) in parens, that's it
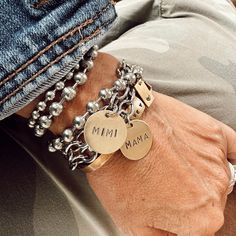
(82, 135)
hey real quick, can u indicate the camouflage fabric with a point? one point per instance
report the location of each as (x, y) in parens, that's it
(187, 49)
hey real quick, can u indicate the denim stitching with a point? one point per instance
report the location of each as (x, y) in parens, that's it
(60, 39)
(41, 88)
(96, 32)
(39, 3)
(48, 65)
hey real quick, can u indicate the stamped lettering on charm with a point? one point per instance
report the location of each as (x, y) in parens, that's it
(138, 142)
(112, 133)
(105, 132)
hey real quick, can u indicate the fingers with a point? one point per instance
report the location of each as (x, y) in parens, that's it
(231, 143)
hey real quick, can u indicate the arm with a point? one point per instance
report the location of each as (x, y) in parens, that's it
(181, 186)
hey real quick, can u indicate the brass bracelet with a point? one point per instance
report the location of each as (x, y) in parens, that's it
(99, 162)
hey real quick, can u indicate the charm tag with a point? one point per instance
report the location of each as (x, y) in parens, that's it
(138, 142)
(105, 132)
(145, 92)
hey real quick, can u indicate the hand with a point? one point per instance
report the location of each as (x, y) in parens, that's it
(181, 186)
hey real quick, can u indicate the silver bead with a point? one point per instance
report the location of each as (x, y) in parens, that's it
(51, 148)
(138, 71)
(92, 107)
(69, 75)
(77, 66)
(39, 132)
(41, 106)
(50, 95)
(94, 54)
(95, 47)
(130, 78)
(57, 144)
(79, 122)
(60, 85)
(80, 78)
(45, 122)
(35, 115)
(68, 135)
(88, 64)
(120, 84)
(105, 94)
(68, 93)
(55, 109)
(31, 123)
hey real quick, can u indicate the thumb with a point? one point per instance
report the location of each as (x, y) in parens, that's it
(231, 143)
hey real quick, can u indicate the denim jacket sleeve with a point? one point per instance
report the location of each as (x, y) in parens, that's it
(41, 40)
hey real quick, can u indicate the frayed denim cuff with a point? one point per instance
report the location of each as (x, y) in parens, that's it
(41, 41)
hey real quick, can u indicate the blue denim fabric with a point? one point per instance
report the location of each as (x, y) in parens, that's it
(41, 40)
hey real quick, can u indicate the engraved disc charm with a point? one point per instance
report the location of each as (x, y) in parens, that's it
(105, 132)
(138, 142)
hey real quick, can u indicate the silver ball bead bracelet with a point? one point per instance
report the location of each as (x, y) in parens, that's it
(42, 117)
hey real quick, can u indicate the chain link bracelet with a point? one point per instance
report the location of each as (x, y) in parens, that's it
(120, 100)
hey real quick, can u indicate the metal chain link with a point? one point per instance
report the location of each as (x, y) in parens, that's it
(77, 152)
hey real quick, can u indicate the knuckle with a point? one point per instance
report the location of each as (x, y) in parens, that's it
(218, 132)
(215, 222)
